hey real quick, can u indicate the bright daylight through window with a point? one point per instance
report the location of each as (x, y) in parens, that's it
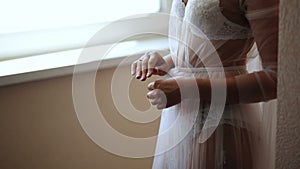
(37, 35)
(26, 15)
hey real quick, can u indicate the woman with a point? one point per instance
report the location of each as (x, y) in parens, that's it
(211, 42)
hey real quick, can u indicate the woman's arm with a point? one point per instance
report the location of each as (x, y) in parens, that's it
(262, 85)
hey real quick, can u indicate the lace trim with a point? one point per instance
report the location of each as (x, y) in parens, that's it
(206, 15)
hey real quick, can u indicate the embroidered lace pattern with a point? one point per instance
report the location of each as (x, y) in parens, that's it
(207, 16)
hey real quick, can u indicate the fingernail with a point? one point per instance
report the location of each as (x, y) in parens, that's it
(149, 85)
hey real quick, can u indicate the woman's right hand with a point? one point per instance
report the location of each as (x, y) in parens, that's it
(151, 63)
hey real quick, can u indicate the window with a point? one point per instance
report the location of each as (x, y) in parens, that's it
(34, 27)
(28, 15)
(37, 37)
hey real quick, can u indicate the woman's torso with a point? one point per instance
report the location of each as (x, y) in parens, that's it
(212, 32)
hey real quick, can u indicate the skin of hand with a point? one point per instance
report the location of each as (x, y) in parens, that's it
(152, 63)
(164, 93)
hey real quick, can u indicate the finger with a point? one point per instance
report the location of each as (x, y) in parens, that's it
(163, 102)
(150, 95)
(139, 69)
(154, 85)
(153, 94)
(151, 64)
(161, 106)
(144, 67)
(133, 68)
(156, 101)
(150, 86)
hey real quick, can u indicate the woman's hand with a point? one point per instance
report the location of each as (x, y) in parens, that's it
(152, 63)
(164, 93)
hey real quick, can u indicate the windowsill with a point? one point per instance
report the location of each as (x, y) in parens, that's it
(62, 63)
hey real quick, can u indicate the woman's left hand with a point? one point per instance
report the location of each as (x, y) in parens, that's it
(164, 93)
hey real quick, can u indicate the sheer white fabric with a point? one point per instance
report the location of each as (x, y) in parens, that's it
(242, 133)
(190, 153)
(207, 16)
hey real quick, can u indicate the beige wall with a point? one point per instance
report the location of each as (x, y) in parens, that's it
(288, 118)
(39, 128)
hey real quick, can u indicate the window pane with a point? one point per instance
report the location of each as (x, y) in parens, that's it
(22, 15)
